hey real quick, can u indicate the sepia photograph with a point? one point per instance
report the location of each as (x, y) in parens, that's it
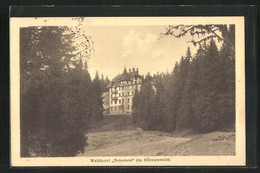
(127, 91)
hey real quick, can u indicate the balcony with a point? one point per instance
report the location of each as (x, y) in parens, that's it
(114, 97)
(115, 91)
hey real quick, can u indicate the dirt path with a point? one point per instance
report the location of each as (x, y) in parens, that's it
(117, 136)
(129, 143)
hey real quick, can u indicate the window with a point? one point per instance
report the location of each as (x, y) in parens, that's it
(122, 88)
(111, 102)
(128, 107)
(119, 108)
(115, 101)
(123, 100)
(135, 82)
(115, 108)
(119, 101)
(128, 93)
(122, 94)
(111, 108)
(132, 92)
(119, 94)
(128, 100)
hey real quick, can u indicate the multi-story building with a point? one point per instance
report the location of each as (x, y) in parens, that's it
(121, 91)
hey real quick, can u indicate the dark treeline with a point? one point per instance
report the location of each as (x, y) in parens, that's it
(59, 100)
(198, 95)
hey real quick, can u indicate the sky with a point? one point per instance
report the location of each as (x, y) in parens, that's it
(117, 47)
(131, 42)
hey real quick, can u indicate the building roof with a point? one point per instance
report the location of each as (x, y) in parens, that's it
(125, 76)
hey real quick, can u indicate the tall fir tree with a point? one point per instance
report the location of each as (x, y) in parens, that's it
(98, 90)
(56, 94)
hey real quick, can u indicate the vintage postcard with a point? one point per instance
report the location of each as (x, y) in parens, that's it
(127, 91)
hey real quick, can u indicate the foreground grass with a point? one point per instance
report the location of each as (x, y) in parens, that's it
(215, 143)
(116, 135)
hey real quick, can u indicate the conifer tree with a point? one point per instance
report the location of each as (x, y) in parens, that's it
(174, 97)
(206, 110)
(159, 106)
(184, 109)
(98, 90)
(56, 94)
(135, 106)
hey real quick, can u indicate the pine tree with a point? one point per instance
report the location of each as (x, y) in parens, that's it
(184, 110)
(98, 90)
(56, 92)
(159, 105)
(206, 108)
(226, 88)
(174, 97)
(135, 106)
(143, 113)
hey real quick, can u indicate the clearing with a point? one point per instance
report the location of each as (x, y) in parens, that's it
(117, 136)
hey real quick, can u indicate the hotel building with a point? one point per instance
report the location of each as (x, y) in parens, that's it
(121, 91)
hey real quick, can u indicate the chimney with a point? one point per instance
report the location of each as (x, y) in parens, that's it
(133, 69)
(129, 70)
(137, 70)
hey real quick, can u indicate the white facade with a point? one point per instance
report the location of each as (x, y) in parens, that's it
(121, 93)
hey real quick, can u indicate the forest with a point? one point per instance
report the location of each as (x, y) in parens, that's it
(198, 95)
(59, 101)
(58, 98)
